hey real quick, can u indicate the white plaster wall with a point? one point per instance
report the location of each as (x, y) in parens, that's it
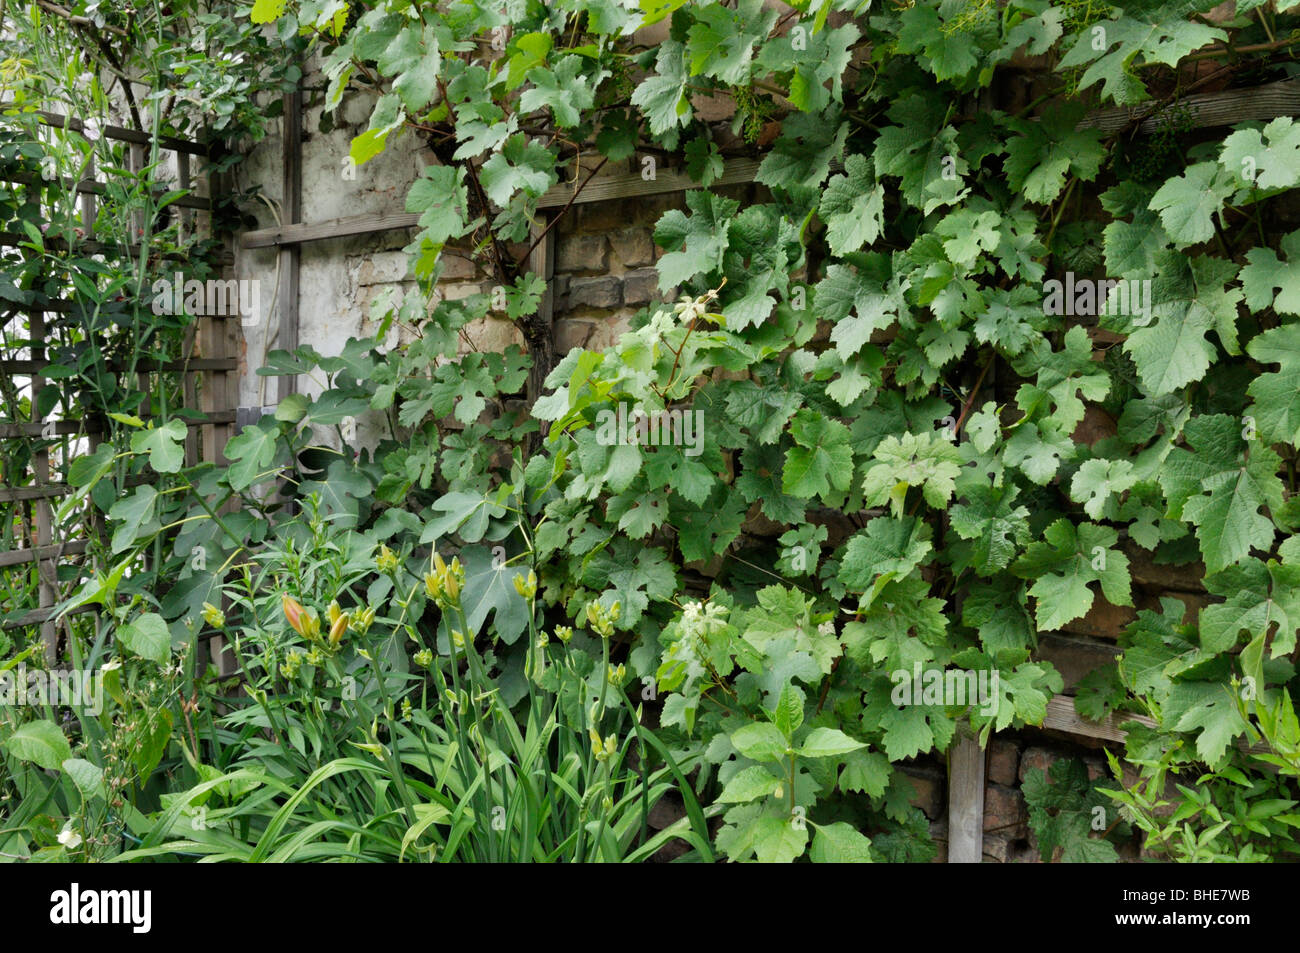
(338, 278)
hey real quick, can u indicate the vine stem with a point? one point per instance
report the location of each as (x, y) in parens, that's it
(970, 400)
(555, 218)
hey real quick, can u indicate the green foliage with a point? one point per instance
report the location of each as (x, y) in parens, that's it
(1065, 810)
(862, 357)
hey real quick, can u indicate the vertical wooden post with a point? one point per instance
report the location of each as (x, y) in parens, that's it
(539, 332)
(965, 801)
(291, 214)
(46, 569)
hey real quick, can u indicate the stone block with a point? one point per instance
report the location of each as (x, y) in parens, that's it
(1005, 813)
(640, 287)
(582, 253)
(606, 292)
(1003, 760)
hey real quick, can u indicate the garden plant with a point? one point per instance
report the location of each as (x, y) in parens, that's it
(965, 346)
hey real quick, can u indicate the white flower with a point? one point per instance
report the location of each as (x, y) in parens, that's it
(826, 628)
(703, 618)
(69, 838)
(90, 128)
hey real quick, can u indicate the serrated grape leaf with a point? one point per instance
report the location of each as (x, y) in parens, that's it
(1188, 203)
(840, 843)
(1064, 565)
(821, 457)
(1209, 709)
(1275, 165)
(853, 207)
(986, 517)
(923, 460)
(1276, 410)
(1221, 488)
(1264, 272)
(662, 95)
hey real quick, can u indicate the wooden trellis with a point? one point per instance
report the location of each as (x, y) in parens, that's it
(208, 366)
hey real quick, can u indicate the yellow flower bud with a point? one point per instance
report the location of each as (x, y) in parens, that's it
(387, 560)
(337, 629)
(334, 611)
(458, 638)
(311, 625)
(362, 620)
(213, 616)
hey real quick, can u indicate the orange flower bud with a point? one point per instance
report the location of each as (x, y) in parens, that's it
(293, 611)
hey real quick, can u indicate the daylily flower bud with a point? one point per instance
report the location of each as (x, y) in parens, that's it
(526, 587)
(293, 611)
(334, 611)
(311, 624)
(362, 620)
(387, 560)
(337, 629)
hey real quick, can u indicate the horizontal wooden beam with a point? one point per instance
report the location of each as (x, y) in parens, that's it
(37, 616)
(14, 239)
(1224, 108)
(73, 427)
(632, 185)
(605, 189)
(320, 231)
(16, 494)
(58, 121)
(1208, 109)
(194, 364)
(15, 557)
(91, 187)
(1061, 716)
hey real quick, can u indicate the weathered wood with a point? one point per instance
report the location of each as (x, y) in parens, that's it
(14, 494)
(1224, 108)
(46, 552)
(147, 364)
(99, 248)
(598, 190)
(46, 570)
(538, 330)
(91, 187)
(632, 185)
(16, 620)
(965, 802)
(1061, 716)
(76, 427)
(58, 121)
(286, 234)
(290, 255)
